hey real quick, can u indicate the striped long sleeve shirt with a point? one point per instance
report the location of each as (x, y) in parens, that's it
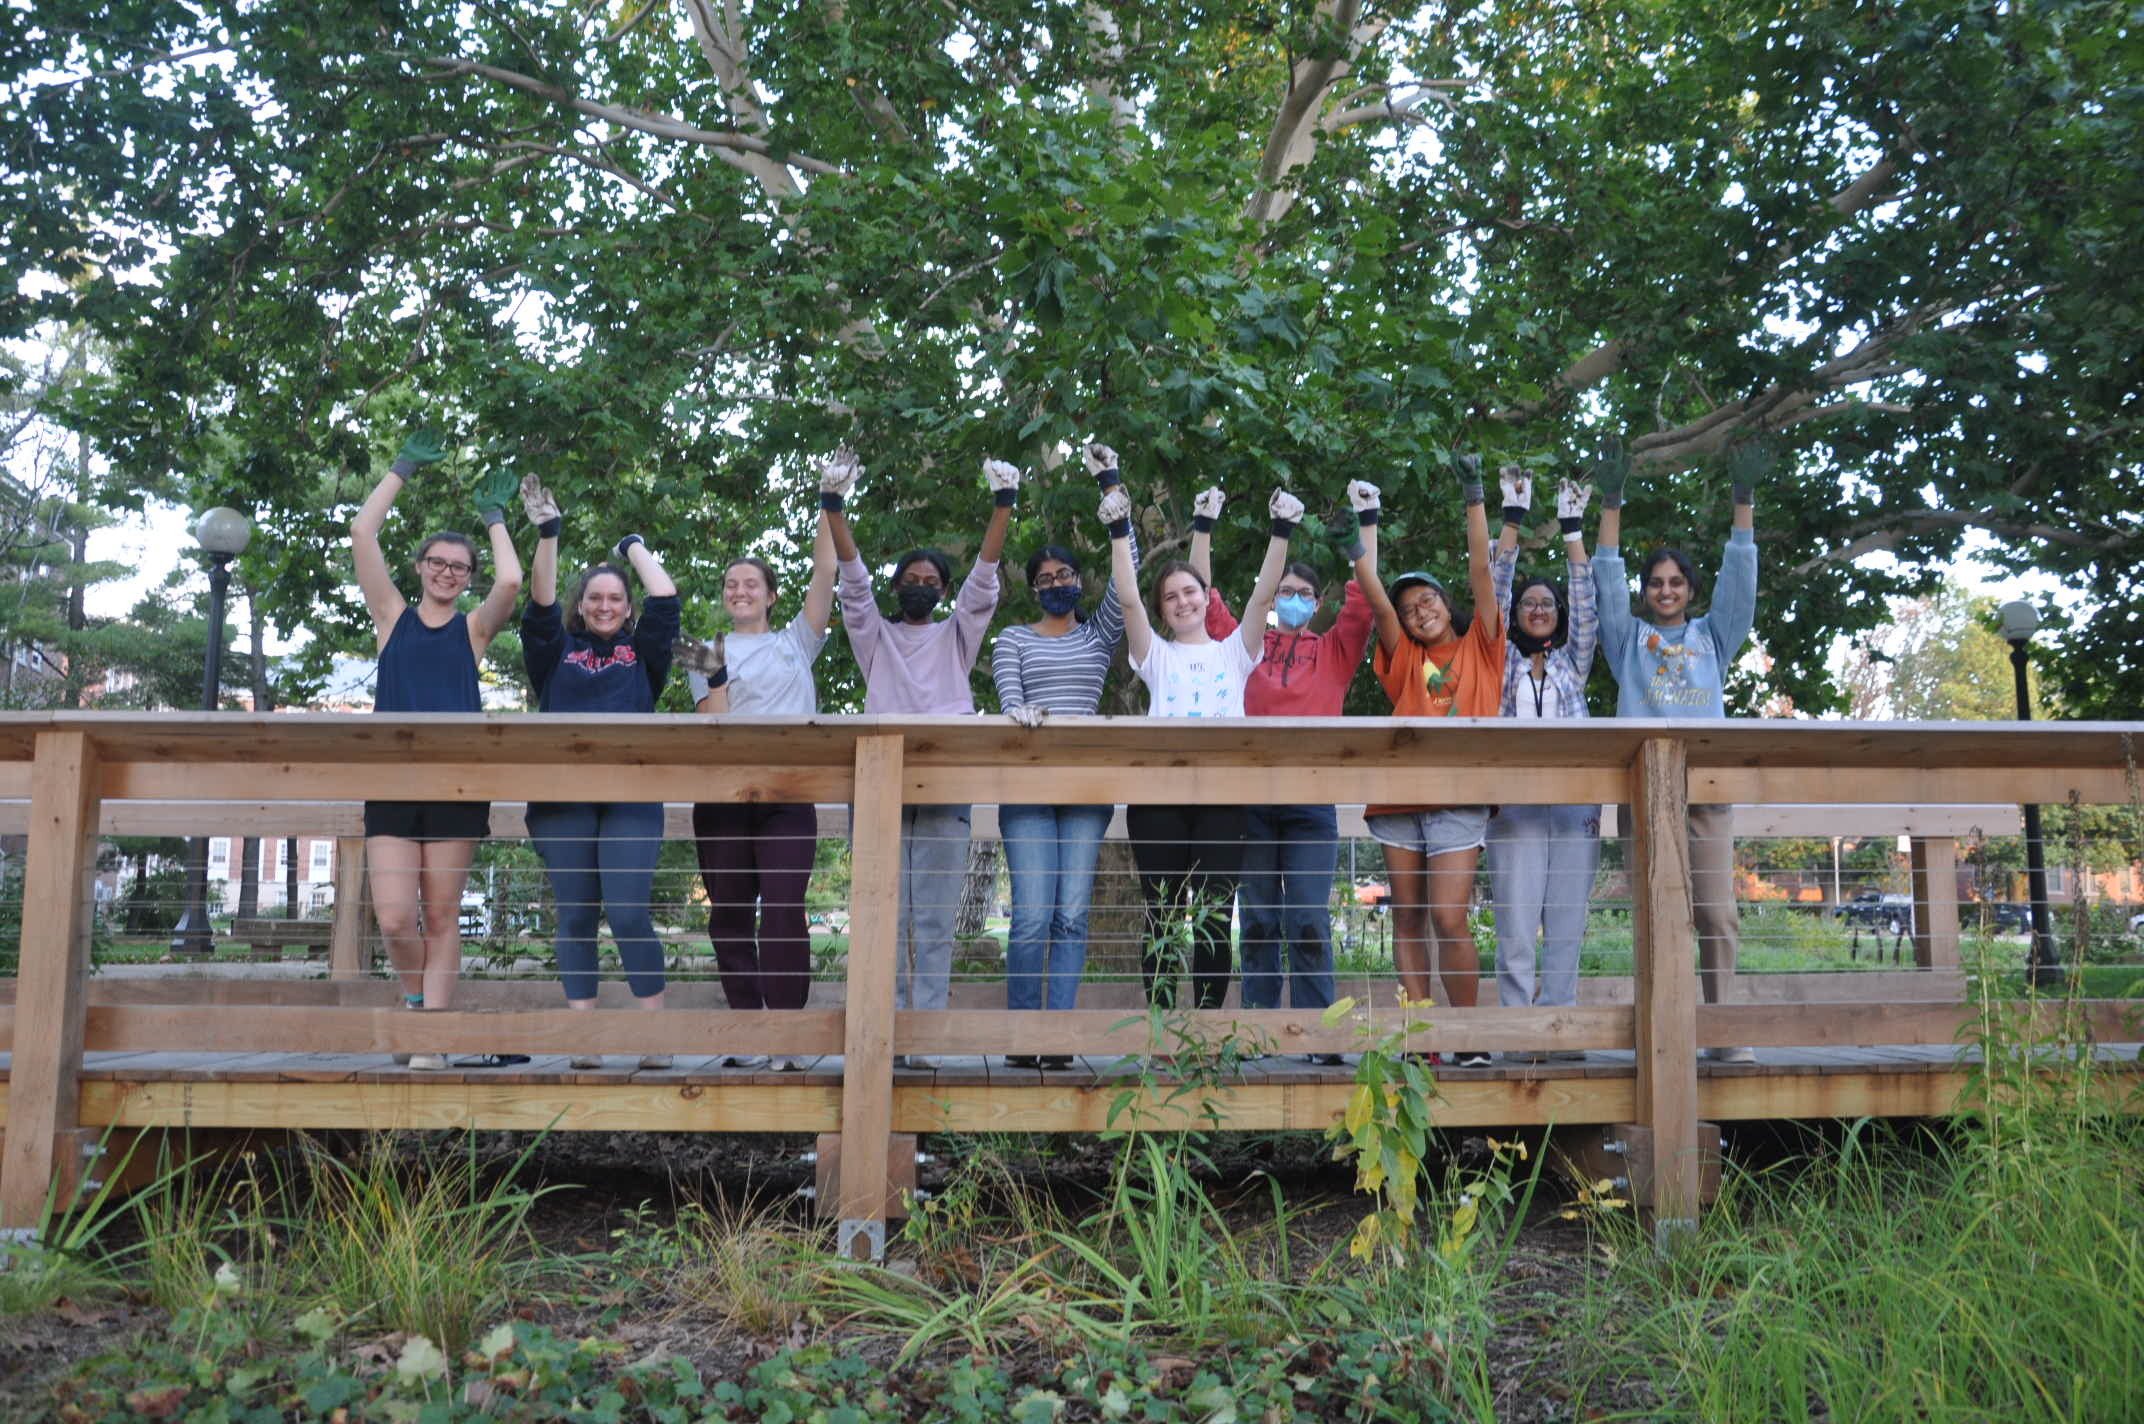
(1065, 673)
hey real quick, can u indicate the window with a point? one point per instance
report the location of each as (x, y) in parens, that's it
(322, 850)
(219, 853)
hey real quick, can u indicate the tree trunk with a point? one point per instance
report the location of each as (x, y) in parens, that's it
(1116, 917)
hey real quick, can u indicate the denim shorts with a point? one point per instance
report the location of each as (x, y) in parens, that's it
(1433, 833)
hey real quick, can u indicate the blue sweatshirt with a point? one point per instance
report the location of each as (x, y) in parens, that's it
(579, 672)
(1676, 672)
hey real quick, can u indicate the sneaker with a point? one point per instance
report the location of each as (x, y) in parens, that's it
(1431, 1059)
(428, 1062)
(1326, 1060)
(925, 1061)
(656, 1062)
(1022, 1060)
(745, 1060)
(1055, 1062)
(1471, 1060)
(415, 1005)
(1732, 1055)
(781, 1063)
(1526, 1055)
(588, 1060)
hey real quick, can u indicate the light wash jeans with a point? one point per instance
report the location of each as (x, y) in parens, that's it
(1541, 865)
(1285, 899)
(934, 867)
(1051, 853)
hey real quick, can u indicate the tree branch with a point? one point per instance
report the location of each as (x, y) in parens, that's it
(1293, 138)
(742, 151)
(1886, 532)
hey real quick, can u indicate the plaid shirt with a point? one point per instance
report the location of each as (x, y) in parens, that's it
(1564, 692)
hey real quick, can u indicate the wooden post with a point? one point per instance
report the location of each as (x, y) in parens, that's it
(867, 1034)
(1935, 902)
(346, 943)
(1664, 939)
(44, 1078)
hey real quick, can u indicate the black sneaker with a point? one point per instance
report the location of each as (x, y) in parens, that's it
(1470, 1060)
(1022, 1060)
(1056, 1062)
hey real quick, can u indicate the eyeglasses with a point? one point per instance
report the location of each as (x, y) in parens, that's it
(1537, 605)
(1061, 579)
(438, 565)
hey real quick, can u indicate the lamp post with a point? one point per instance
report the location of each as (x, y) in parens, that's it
(222, 534)
(2020, 620)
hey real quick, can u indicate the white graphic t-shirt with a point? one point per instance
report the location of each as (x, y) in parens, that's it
(1197, 679)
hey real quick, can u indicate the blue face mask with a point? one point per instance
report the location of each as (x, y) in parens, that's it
(1059, 599)
(1295, 609)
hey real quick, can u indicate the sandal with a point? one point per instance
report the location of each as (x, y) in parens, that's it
(492, 1060)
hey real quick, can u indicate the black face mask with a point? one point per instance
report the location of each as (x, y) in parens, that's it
(1059, 599)
(917, 599)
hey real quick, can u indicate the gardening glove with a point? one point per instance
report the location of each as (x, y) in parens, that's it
(1102, 464)
(1365, 499)
(838, 474)
(1286, 512)
(1004, 482)
(423, 447)
(1029, 716)
(1748, 463)
(1116, 512)
(1611, 467)
(1571, 507)
(492, 494)
(1467, 470)
(541, 506)
(1207, 508)
(705, 666)
(1517, 489)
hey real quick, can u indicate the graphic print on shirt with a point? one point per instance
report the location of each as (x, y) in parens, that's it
(1442, 685)
(1683, 675)
(590, 661)
(1289, 653)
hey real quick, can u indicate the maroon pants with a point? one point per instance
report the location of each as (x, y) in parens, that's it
(756, 859)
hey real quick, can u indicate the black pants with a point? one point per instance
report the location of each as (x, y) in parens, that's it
(1188, 859)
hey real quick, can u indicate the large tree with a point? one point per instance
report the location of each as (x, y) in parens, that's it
(667, 252)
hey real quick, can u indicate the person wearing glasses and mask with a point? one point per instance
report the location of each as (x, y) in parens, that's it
(1055, 664)
(1542, 859)
(418, 852)
(916, 663)
(1291, 852)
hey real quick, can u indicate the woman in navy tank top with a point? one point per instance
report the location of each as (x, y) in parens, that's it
(417, 853)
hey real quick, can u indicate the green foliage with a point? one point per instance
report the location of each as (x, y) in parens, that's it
(937, 233)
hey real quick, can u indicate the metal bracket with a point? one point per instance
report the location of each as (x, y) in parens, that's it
(873, 1233)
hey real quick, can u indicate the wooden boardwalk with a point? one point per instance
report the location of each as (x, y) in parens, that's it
(978, 1093)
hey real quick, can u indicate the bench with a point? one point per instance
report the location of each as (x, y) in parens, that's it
(270, 937)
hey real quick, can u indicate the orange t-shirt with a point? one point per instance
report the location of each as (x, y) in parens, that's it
(1463, 679)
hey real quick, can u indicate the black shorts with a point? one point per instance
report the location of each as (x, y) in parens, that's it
(429, 820)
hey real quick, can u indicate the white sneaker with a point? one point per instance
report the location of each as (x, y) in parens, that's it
(1732, 1055)
(745, 1060)
(428, 1062)
(923, 1060)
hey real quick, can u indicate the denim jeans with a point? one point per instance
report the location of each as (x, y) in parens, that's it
(1050, 852)
(601, 859)
(1285, 899)
(934, 870)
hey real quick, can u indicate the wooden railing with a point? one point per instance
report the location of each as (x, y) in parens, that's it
(78, 770)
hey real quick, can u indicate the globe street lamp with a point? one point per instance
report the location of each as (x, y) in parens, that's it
(2020, 620)
(223, 534)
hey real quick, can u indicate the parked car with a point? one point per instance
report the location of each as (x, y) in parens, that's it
(1888, 913)
(2003, 917)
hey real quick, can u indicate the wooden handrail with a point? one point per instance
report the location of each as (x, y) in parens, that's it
(76, 769)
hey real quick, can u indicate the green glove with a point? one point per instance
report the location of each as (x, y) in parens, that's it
(1467, 469)
(424, 447)
(493, 493)
(1748, 463)
(1611, 469)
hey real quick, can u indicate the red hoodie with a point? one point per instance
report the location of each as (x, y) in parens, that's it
(1304, 674)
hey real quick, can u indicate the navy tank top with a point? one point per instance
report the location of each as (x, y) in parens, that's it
(427, 669)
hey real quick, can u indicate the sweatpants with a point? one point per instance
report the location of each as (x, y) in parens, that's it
(755, 860)
(601, 858)
(1542, 861)
(1188, 859)
(934, 868)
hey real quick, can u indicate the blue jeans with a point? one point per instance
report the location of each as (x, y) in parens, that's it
(1285, 899)
(601, 859)
(1050, 851)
